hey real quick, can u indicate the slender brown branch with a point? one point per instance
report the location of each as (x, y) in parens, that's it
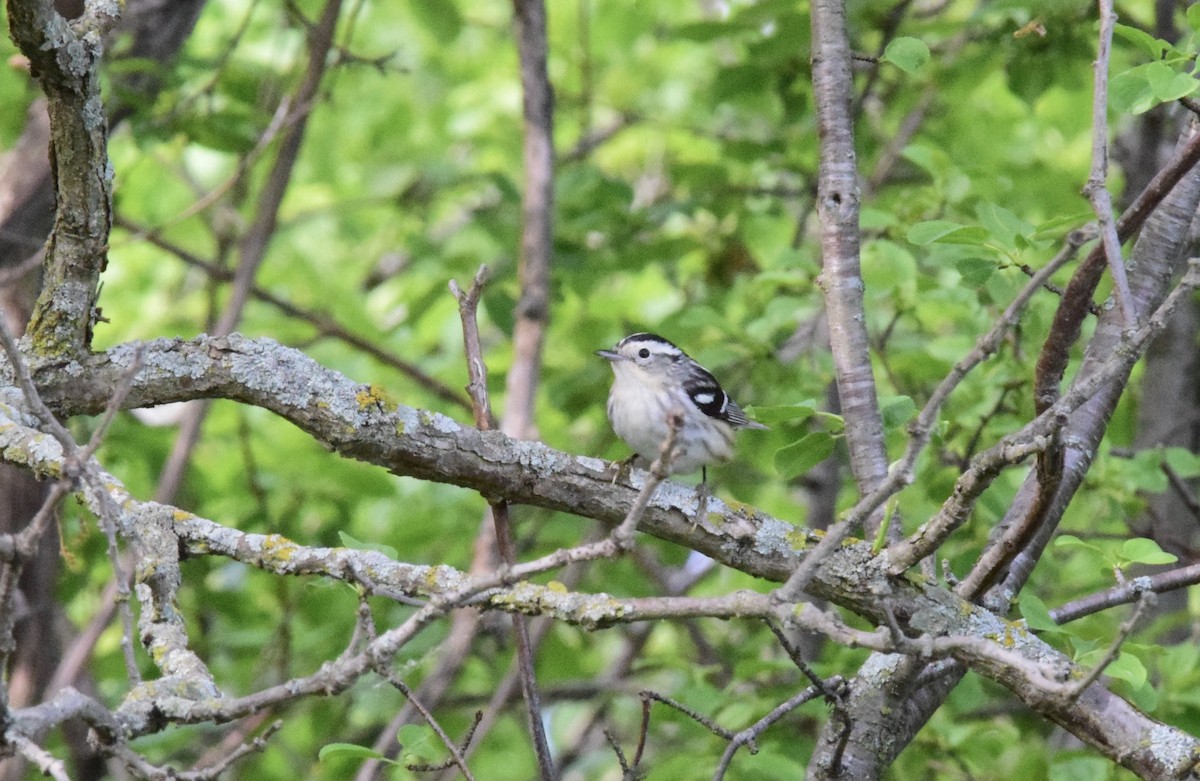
(699, 718)
(1129, 591)
(1077, 296)
(1182, 490)
(537, 214)
(1096, 190)
(468, 303)
(252, 247)
(1144, 600)
(841, 277)
(455, 754)
(748, 736)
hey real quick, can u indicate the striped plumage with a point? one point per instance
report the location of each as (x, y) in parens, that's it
(654, 377)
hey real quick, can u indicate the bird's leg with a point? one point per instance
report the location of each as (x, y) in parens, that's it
(623, 467)
(702, 495)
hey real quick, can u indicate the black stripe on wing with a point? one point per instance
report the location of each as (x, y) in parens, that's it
(704, 391)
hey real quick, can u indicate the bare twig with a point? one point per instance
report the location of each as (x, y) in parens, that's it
(49, 423)
(1129, 591)
(692, 714)
(748, 736)
(794, 653)
(42, 759)
(626, 768)
(1033, 437)
(477, 388)
(468, 304)
(1182, 490)
(455, 753)
(461, 749)
(537, 214)
(1096, 190)
(1145, 599)
(138, 766)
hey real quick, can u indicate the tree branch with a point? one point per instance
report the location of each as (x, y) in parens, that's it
(65, 57)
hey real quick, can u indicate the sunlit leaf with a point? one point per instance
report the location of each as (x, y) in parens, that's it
(1141, 550)
(799, 457)
(907, 54)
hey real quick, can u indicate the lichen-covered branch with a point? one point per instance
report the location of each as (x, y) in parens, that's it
(65, 57)
(925, 620)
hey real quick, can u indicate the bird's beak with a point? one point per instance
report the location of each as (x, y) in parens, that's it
(609, 355)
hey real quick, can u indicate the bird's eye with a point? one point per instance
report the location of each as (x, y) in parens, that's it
(643, 353)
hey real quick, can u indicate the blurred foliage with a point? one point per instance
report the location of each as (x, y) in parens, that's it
(694, 218)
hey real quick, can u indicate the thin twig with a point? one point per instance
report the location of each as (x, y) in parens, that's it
(114, 406)
(749, 736)
(1182, 490)
(468, 303)
(794, 653)
(140, 767)
(695, 716)
(253, 244)
(1129, 591)
(455, 753)
(1145, 600)
(40, 757)
(20, 369)
(1034, 436)
(1096, 190)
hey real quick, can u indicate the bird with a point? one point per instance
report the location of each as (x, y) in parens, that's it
(654, 379)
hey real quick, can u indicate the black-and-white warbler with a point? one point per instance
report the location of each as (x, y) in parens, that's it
(654, 378)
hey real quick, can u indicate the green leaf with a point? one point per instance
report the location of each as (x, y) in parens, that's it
(351, 750)
(946, 232)
(1127, 667)
(907, 54)
(1053, 227)
(1129, 92)
(897, 410)
(1168, 84)
(351, 542)
(783, 413)
(1155, 47)
(834, 423)
(440, 17)
(975, 271)
(1071, 541)
(1193, 17)
(1141, 550)
(799, 457)
(1004, 226)
(1183, 462)
(1037, 615)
